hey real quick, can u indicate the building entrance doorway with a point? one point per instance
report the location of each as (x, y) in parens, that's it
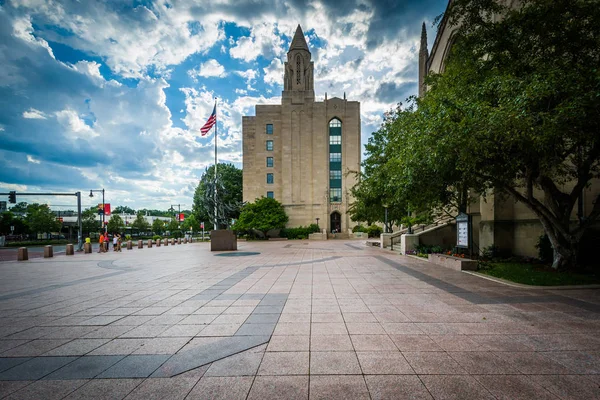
(335, 222)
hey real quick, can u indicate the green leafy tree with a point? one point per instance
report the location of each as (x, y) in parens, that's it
(8, 219)
(158, 226)
(190, 222)
(115, 224)
(140, 223)
(40, 219)
(514, 112)
(123, 210)
(262, 215)
(231, 179)
(20, 207)
(88, 220)
(173, 225)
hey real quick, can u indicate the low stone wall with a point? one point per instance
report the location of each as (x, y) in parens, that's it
(455, 263)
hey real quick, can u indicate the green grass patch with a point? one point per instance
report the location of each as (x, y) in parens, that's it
(537, 274)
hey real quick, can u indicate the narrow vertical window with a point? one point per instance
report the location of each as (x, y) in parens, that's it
(269, 129)
(270, 195)
(269, 145)
(335, 161)
(269, 161)
(298, 68)
(269, 178)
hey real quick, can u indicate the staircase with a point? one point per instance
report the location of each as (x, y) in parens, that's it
(419, 229)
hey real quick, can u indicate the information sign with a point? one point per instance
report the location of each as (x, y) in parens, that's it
(462, 231)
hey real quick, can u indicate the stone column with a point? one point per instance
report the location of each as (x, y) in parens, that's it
(87, 248)
(129, 245)
(140, 244)
(70, 250)
(22, 254)
(48, 251)
(149, 243)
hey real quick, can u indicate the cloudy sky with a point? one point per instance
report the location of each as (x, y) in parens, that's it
(112, 94)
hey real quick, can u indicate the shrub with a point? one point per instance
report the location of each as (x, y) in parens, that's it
(545, 250)
(359, 228)
(300, 232)
(374, 231)
(156, 237)
(176, 234)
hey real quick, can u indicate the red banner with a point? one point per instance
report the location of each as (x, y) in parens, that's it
(181, 217)
(106, 208)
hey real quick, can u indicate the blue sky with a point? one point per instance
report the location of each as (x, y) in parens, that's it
(113, 94)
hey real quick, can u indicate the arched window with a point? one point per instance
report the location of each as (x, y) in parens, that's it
(298, 70)
(335, 161)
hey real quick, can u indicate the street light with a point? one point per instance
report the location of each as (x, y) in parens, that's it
(103, 214)
(386, 215)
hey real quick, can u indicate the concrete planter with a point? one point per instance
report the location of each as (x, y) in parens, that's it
(455, 263)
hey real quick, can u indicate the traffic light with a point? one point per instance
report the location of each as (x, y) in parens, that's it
(12, 197)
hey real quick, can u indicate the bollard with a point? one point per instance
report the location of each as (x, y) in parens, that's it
(87, 248)
(173, 241)
(191, 239)
(48, 252)
(179, 241)
(166, 242)
(158, 241)
(70, 250)
(22, 255)
(129, 245)
(140, 244)
(184, 240)
(149, 243)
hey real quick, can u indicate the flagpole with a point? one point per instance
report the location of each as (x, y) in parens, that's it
(215, 193)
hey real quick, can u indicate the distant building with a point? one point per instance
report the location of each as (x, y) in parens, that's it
(300, 152)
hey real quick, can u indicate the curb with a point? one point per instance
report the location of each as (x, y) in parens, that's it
(524, 286)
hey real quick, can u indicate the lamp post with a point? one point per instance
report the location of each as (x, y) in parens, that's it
(318, 223)
(103, 215)
(386, 218)
(178, 213)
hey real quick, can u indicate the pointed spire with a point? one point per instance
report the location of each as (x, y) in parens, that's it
(299, 42)
(423, 38)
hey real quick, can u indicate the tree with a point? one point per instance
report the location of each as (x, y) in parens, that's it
(8, 219)
(173, 226)
(140, 223)
(88, 220)
(514, 112)
(158, 226)
(115, 224)
(40, 219)
(190, 223)
(123, 210)
(262, 215)
(19, 208)
(229, 193)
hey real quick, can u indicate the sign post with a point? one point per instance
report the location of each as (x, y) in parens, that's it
(202, 226)
(463, 232)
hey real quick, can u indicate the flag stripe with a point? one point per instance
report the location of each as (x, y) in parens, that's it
(212, 120)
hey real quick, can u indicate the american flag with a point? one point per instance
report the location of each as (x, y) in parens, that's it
(210, 122)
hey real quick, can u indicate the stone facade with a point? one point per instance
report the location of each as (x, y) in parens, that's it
(301, 144)
(498, 221)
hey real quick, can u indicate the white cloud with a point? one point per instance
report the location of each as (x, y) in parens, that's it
(32, 160)
(264, 40)
(74, 126)
(32, 113)
(249, 75)
(274, 73)
(209, 69)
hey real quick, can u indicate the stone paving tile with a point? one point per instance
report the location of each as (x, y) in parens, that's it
(135, 366)
(245, 363)
(34, 348)
(256, 329)
(8, 387)
(104, 389)
(507, 387)
(383, 363)
(334, 363)
(455, 387)
(162, 346)
(324, 328)
(36, 368)
(571, 387)
(340, 387)
(292, 328)
(432, 362)
(47, 390)
(577, 361)
(372, 343)
(182, 331)
(160, 388)
(119, 347)
(86, 367)
(11, 344)
(109, 332)
(221, 388)
(8, 363)
(279, 387)
(145, 331)
(293, 317)
(534, 363)
(289, 343)
(483, 362)
(327, 317)
(284, 363)
(396, 387)
(77, 347)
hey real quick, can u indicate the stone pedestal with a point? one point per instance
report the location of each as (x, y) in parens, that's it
(166, 242)
(87, 248)
(173, 241)
(129, 245)
(70, 250)
(223, 240)
(184, 240)
(22, 254)
(158, 242)
(48, 252)
(140, 244)
(191, 240)
(408, 242)
(149, 243)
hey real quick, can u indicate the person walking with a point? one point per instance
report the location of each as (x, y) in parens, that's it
(119, 242)
(115, 241)
(101, 242)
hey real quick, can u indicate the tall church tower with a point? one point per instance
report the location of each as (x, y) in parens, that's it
(298, 80)
(423, 57)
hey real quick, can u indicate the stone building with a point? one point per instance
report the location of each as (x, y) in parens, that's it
(301, 152)
(498, 221)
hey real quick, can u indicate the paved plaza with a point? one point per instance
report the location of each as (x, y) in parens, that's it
(286, 320)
